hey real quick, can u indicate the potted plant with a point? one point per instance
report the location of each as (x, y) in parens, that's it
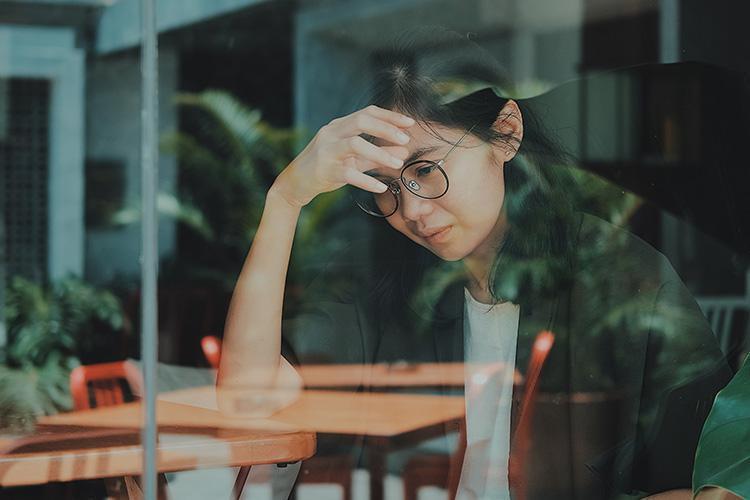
(228, 158)
(721, 461)
(50, 331)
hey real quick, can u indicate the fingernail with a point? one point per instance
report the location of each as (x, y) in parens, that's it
(403, 138)
(396, 162)
(408, 119)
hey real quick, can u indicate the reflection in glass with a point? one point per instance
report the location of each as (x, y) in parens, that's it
(414, 361)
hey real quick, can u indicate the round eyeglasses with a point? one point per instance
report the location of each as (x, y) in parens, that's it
(423, 178)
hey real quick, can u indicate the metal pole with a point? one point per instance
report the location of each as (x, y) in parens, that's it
(149, 183)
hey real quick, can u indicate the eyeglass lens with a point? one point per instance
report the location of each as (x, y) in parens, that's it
(422, 178)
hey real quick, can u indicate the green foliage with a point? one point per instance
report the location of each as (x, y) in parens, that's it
(568, 191)
(617, 306)
(28, 392)
(596, 195)
(228, 163)
(228, 158)
(723, 455)
(167, 204)
(60, 320)
(48, 330)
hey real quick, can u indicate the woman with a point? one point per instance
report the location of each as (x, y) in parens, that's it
(489, 251)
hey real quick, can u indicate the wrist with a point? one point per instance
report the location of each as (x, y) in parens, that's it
(279, 192)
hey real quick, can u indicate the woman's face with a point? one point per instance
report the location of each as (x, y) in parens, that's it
(467, 220)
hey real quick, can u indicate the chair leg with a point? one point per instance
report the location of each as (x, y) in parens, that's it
(347, 487)
(133, 490)
(116, 487)
(239, 483)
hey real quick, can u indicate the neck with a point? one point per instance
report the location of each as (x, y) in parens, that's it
(479, 263)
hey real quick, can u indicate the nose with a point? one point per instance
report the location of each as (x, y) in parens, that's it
(413, 207)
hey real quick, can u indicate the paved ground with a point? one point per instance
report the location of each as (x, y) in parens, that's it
(217, 483)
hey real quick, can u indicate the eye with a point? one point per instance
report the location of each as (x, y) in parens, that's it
(426, 170)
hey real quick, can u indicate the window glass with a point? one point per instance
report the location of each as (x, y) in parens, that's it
(70, 241)
(406, 249)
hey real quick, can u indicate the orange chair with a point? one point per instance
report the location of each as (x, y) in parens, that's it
(315, 470)
(211, 347)
(522, 439)
(432, 470)
(105, 384)
(108, 384)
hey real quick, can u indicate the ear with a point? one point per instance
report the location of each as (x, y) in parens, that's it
(509, 122)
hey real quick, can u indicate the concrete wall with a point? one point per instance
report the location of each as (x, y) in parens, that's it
(334, 38)
(52, 54)
(119, 26)
(114, 134)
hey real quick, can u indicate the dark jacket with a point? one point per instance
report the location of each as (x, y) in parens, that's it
(624, 393)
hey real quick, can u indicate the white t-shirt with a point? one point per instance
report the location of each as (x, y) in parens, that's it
(490, 336)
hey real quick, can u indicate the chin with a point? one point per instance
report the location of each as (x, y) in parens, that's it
(447, 254)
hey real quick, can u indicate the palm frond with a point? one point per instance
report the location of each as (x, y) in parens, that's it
(190, 152)
(238, 123)
(167, 204)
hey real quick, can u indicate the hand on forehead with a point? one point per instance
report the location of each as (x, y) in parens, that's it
(425, 138)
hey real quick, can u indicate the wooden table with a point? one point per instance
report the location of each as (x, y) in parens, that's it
(399, 376)
(105, 442)
(383, 375)
(388, 421)
(339, 412)
(194, 434)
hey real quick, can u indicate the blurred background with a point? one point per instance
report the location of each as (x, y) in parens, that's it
(243, 84)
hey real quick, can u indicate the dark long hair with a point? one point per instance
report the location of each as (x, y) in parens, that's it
(458, 91)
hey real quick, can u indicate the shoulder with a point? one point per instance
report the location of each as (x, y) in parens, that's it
(593, 228)
(636, 284)
(602, 243)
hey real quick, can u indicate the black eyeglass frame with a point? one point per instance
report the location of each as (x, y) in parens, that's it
(396, 191)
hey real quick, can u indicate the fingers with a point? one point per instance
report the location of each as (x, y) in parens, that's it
(399, 152)
(363, 181)
(367, 151)
(342, 142)
(390, 116)
(364, 123)
(363, 165)
(374, 121)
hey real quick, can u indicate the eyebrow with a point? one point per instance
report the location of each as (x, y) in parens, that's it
(420, 152)
(417, 154)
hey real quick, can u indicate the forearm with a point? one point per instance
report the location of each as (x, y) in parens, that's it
(251, 364)
(251, 350)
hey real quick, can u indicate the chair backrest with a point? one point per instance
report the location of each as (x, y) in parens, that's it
(721, 312)
(211, 346)
(539, 353)
(522, 437)
(104, 384)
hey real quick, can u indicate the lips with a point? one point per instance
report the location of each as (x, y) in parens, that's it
(435, 234)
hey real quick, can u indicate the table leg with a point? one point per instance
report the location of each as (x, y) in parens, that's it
(239, 483)
(376, 460)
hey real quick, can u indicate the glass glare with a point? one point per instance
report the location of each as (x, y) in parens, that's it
(552, 325)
